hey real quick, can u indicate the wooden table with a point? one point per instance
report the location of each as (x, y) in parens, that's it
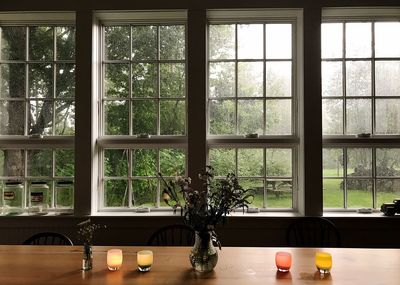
(61, 265)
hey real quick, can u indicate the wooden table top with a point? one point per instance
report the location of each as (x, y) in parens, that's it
(237, 265)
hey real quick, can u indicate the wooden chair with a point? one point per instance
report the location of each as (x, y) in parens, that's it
(313, 232)
(173, 235)
(48, 238)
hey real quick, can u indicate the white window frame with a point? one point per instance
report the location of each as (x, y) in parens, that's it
(358, 14)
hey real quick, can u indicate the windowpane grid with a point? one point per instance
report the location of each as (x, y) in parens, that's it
(268, 172)
(250, 77)
(144, 80)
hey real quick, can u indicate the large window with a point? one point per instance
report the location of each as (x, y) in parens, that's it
(37, 95)
(143, 108)
(361, 108)
(253, 102)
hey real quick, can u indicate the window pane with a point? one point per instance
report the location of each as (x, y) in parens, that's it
(117, 45)
(144, 192)
(332, 116)
(279, 162)
(144, 42)
(387, 81)
(65, 118)
(387, 116)
(172, 80)
(279, 193)
(332, 40)
(332, 79)
(40, 162)
(144, 117)
(222, 79)
(387, 40)
(12, 117)
(333, 162)
(116, 82)
(172, 42)
(388, 162)
(278, 40)
(358, 113)
(358, 40)
(12, 80)
(116, 162)
(257, 189)
(41, 43)
(222, 117)
(359, 193)
(387, 190)
(250, 79)
(144, 162)
(222, 41)
(40, 120)
(172, 117)
(144, 80)
(250, 41)
(278, 79)
(65, 80)
(116, 193)
(358, 78)
(172, 162)
(223, 161)
(65, 42)
(333, 193)
(116, 118)
(251, 162)
(64, 162)
(13, 43)
(279, 117)
(250, 116)
(41, 80)
(359, 162)
(12, 162)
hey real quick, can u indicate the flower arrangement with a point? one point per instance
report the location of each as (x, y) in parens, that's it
(203, 209)
(86, 231)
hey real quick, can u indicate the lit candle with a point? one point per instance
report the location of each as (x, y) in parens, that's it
(283, 261)
(144, 260)
(323, 261)
(114, 259)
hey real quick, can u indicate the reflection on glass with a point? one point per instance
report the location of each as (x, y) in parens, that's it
(332, 116)
(278, 41)
(358, 40)
(278, 79)
(358, 113)
(250, 79)
(332, 40)
(250, 41)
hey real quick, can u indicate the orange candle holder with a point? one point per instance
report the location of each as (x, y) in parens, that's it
(114, 259)
(283, 261)
(323, 262)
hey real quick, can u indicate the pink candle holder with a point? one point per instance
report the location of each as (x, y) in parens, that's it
(283, 261)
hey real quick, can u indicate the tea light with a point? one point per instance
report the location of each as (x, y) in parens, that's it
(323, 261)
(114, 259)
(283, 261)
(144, 260)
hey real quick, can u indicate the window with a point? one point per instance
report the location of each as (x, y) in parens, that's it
(253, 94)
(37, 94)
(361, 108)
(144, 122)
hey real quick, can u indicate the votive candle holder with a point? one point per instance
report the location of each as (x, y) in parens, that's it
(114, 259)
(144, 260)
(323, 262)
(283, 261)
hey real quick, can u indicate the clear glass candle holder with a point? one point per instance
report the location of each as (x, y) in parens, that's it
(114, 259)
(283, 261)
(144, 260)
(323, 262)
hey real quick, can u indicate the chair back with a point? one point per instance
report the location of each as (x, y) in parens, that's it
(48, 238)
(313, 232)
(173, 235)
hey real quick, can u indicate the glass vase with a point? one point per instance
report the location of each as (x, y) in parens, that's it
(204, 255)
(87, 261)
